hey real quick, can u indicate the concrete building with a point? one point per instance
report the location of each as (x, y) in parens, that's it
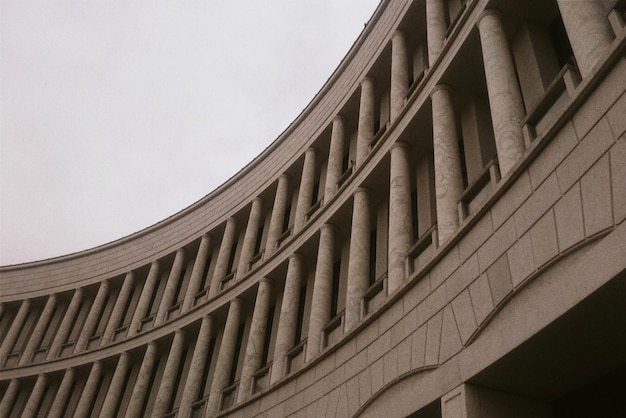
(440, 233)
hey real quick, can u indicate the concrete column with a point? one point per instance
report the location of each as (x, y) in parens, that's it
(250, 237)
(436, 28)
(40, 330)
(144, 299)
(166, 388)
(93, 317)
(117, 314)
(197, 367)
(588, 30)
(66, 324)
(286, 332)
(90, 391)
(221, 265)
(448, 176)
(256, 339)
(335, 158)
(278, 214)
(305, 194)
(57, 410)
(9, 398)
(322, 291)
(169, 293)
(196, 273)
(505, 97)
(399, 73)
(367, 111)
(400, 230)
(32, 405)
(225, 357)
(115, 388)
(16, 327)
(135, 405)
(358, 263)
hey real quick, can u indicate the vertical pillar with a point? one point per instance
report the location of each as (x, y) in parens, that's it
(588, 30)
(335, 157)
(166, 388)
(505, 97)
(286, 332)
(254, 349)
(322, 291)
(57, 410)
(145, 298)
(448, 176)
(9, 398)
(32, 405)
(117, 314)
(40, 330)
(278, 214)
(358, 262)
(305, 194)
(400, 230)
(436, 27)
(66, 325)
(365, 129)
(225, 357)
(250, 237)
(169, 293)
(197, 367)
(221, 265)
(399, 73)
(196, 273)
(93, 317)
(140, 390)
(14, 332)
(114, 393)
(90, 391)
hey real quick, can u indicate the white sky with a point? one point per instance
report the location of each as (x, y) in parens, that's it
(117, 114)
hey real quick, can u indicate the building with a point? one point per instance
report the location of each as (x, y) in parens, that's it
(440, 233)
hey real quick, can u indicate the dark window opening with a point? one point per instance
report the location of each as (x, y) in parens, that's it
(560, 42)
(286, 218)
(316, 191)
(300, 320)
(268, 335)
(259, 240)
(233, 367)
(207, 367)
(231, 258)
(205, 273)
(414, 224)
(334, 302)
(372, 276)
(179, 376)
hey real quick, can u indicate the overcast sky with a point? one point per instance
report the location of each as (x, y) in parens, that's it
(116, 114)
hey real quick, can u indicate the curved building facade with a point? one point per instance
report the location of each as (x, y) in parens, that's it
(440, 233)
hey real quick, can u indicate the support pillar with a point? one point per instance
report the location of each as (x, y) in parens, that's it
(90, 391)
(109, 407)
(66, 324)
(32, 405)
(505, 97)
(335, 157)
(322, 291)
(256, 339)
(225, 357)
(400, 216)
(250, 237)
(140, 390)
(57, 410)
(197, 367)
(286, 332)
(448, 175)
(93, 317)
(9, 398)
(436, 28)
(359, 262)
(196, 273)
(169, 293)
(305, 195)
(166, 388)
(588, 30)
(399, 73)
(221, 265)
(16, 327)
(367, 111)
(40, 330)
(278, 214)
(144, 299)
(117, 314)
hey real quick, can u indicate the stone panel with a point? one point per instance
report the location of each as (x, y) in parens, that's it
(475, 237)
(521, 261)
(496, 245)
(544, 197)
(558, 148)
(482, 301)
(596, 195)
(433, 339)
(450, 339)
(464, 315)
(500, 279)
(462, 277)
(569, 219)
(543, 238)
(418, 348)
(616, 116)
(446, 266)
(618, 178)
(431, 304)
(390, 361)
(511, 201)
